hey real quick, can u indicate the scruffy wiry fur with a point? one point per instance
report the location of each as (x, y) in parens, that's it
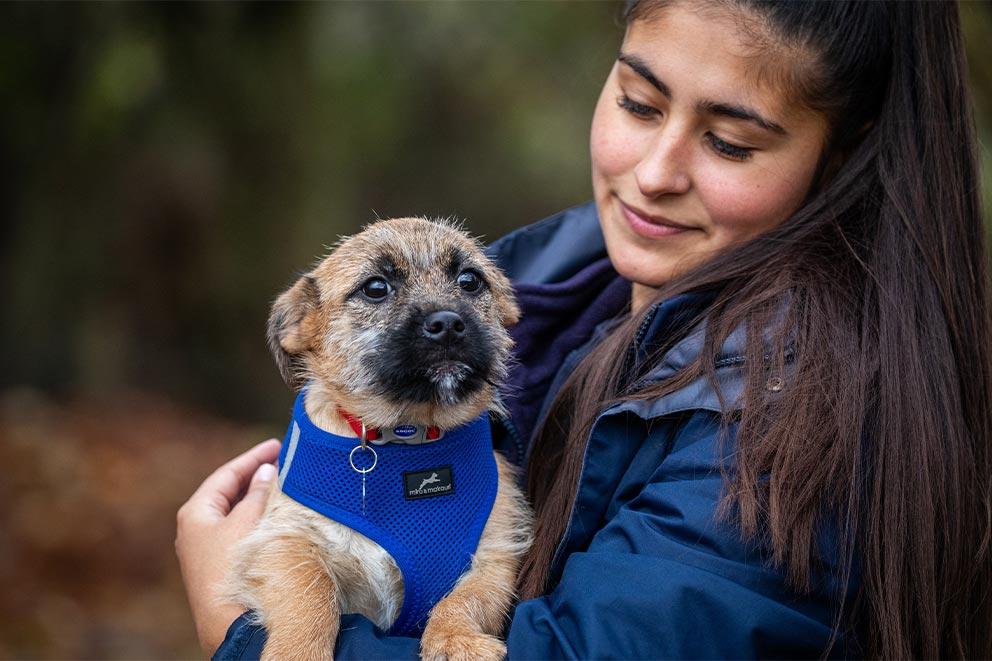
(298, 571)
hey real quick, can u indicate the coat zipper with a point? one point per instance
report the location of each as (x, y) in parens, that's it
(632, 355)
(515, 435)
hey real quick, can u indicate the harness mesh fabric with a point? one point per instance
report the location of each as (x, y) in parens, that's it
(431, 538)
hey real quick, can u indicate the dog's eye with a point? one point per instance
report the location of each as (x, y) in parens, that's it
(470, 281)
(376, 289)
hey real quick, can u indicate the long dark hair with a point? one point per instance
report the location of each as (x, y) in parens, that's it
(882, 430)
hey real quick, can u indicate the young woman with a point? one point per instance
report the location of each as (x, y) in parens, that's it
(753, 399)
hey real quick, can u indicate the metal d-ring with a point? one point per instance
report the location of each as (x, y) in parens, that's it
(351, 458)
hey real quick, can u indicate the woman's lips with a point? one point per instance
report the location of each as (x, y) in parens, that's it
(650, 227)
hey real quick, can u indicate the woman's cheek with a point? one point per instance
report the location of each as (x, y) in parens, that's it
(615, 146)
(598, 132)
(744, 208)
(606, 146)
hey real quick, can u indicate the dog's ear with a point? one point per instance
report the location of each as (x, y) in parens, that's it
(506, 303)
(292, 325)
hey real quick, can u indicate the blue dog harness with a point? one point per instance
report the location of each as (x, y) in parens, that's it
(426, 504)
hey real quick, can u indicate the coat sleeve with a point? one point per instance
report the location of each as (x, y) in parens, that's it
(664, 578)
(661, 578)
(357, 639)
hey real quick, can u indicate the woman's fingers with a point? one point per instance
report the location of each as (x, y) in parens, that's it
(217, 495)
(250, 507)
(208, 529)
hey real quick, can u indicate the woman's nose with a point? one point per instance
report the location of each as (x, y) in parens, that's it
(664, 170)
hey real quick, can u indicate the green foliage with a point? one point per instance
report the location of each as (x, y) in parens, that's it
(176, 164)
(172, 166)
(976, 18)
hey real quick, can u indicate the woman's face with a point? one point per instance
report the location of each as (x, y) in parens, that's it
(692, 150)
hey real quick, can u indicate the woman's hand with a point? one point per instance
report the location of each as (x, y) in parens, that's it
(207, 528)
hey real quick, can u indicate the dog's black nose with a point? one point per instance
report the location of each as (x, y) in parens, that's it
(444, 326)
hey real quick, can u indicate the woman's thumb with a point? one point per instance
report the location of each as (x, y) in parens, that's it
(253, 504)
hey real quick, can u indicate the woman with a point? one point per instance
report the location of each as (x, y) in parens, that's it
(774, 441)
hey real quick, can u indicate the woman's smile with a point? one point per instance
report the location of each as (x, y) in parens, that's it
(651, 226)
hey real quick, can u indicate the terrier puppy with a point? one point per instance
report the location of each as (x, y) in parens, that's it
(390, 501)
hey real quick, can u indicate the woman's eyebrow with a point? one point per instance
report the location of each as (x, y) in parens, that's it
(642, 70)
(733, 111)
(739, 112)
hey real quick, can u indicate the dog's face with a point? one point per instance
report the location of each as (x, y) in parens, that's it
(404, 322)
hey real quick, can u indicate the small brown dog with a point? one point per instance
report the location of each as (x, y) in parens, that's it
(403, 328)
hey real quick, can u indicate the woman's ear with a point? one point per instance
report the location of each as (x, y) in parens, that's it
(292, 325)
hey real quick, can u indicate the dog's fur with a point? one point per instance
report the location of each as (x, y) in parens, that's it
(298, 570)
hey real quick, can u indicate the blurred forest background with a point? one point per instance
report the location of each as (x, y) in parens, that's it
(167, 169)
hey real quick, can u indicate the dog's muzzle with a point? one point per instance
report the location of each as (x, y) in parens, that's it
(441, 355)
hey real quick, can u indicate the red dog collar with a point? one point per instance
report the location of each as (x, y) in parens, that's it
(410, 434)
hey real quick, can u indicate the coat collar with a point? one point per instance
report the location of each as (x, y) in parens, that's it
(552, 261)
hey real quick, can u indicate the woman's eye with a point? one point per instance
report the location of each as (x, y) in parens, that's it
(731, 151)
(470, 281)
(376, 289)
(635, 108)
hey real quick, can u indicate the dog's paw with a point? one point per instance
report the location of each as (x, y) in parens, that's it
(447, 644)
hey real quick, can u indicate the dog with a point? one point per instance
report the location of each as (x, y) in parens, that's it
(398, 335)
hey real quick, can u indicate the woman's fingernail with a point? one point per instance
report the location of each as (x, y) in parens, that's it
(266, 473)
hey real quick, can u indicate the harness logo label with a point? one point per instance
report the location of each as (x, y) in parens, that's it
(431, 482)
(405, 431)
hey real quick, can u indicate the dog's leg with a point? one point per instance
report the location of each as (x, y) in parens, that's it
(299, 602)
(466, 623)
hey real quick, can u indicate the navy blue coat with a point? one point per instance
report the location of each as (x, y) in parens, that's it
(646, 570)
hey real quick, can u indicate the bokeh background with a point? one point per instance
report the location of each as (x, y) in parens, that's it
(165, 171)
